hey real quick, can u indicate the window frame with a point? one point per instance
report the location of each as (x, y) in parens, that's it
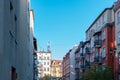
(118, 17)
(103, 52)
(118, 38)
(103, 35)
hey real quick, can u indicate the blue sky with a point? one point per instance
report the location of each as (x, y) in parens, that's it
(64, 22)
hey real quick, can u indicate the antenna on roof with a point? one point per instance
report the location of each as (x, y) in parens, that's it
(48, 47)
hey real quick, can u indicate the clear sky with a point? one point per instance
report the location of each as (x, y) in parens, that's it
(64, 22)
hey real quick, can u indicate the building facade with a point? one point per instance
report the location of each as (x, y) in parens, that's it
(99, 47)
(35, 61)
(66, 66)
(16, 58)
(44, 62)
(101, 35)
(117, 37)
(56, 70)
(69, 65)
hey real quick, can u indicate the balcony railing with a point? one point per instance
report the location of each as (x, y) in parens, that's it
(77, 69)
(77, 58)
(82, 55)
(82, 66)
(99, 59)
(87, 63)
(87, 50)
(77, 79)
(98, 43)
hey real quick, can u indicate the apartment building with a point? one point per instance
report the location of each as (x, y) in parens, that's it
(66, 66)
(35, 62)
(56, 70)
(69, 65)
(31, 37)
(82, 59)
(117, 37)
(101, 35)
(16, 58)
(77, 63)
(44, 62)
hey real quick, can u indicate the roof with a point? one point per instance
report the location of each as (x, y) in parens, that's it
(57, 62)
(99, 17)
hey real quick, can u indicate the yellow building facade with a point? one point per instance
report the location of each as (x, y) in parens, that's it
(56, 69)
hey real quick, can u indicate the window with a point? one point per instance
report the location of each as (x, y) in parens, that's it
(40, 62)
(103, 35)
(11, 6)
(103, 19)
(119, 57)
(15, 17)
(44, 69)
(47, 58)
(13, 74)
(118, 17)
(118, 38)
(97, 53)
(92, 58)
(40, 58)
(103, 52)
(44, 63)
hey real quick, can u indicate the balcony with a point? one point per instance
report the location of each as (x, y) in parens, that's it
(82, 55)
(82, 66)
(98, 43)
(77, 79)
(77, 59)
(99, 60)
(87, 64)
(35, 57)
(87, 50)
(77, 69)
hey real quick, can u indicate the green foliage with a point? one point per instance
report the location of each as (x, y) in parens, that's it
(47, 77)
(97, 73)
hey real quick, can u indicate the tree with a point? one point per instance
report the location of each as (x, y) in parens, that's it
(47, 77)
(97, 73)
